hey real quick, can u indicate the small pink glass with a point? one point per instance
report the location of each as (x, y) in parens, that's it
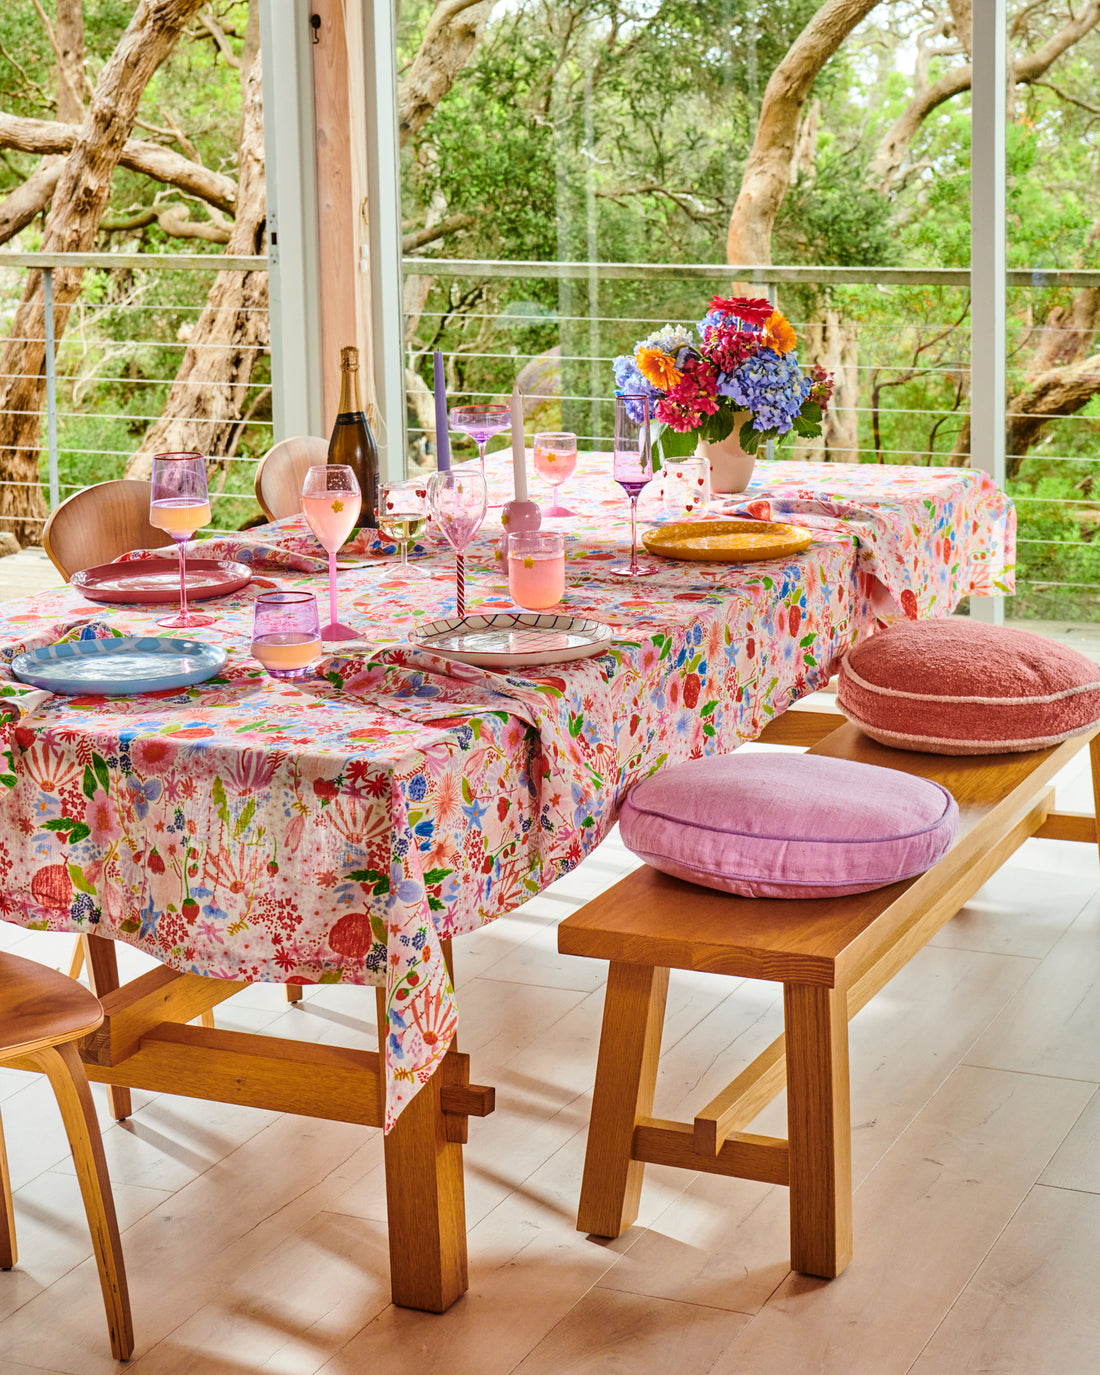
(286, 633)
(536, 569)
(556, 461)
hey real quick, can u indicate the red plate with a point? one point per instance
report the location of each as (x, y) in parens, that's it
(158, 580)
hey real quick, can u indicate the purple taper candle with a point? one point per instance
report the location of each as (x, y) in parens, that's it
(442, 438)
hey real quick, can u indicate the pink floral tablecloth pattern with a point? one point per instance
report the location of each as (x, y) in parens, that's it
(338, 828)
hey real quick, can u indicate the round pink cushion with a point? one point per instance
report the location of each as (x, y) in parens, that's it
(788, 825)
(962, 687)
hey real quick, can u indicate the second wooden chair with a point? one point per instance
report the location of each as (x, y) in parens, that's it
(281, 472)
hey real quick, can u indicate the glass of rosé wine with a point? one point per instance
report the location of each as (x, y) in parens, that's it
(286, 633)
(179, 504)
(331, 501)
(556, 461)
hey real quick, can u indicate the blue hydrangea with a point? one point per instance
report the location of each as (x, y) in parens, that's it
(418, 788)
(630, 382)
(771, 386)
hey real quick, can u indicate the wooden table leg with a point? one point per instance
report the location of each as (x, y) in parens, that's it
(819, 1128)
(425, 1201)
(626, 1075)
(103, 979)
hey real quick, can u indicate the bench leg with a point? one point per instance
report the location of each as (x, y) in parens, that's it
(425, 1202)
(819, 1128)
(626, 1074)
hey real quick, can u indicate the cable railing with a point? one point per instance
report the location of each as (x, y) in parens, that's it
(905, 388)
(904, 398)
(127, 335)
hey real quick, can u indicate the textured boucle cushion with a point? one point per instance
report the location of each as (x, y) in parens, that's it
(788, 826)
(962, 687)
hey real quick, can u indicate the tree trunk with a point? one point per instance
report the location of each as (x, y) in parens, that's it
(209, 391)
(453, 32)
(834, 343)
(768, 171)
(79, 199)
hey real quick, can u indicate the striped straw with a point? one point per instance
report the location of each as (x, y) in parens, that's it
(460, 584)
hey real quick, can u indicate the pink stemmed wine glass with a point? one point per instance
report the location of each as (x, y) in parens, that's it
(481, 423)
(458, 500)
(180, 504)
(633, 468)
(331, 500)
(556, 461)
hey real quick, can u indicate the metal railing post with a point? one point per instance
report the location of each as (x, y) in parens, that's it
(51, 383)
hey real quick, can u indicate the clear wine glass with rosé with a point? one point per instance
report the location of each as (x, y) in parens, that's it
(556, 461)
(330, 504)
(632, 469)
(179, 504)
(402, 515)
(458, 501)
(286, 635)
(536, 568)
(481, 423)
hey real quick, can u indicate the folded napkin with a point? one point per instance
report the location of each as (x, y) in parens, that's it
(18, 699)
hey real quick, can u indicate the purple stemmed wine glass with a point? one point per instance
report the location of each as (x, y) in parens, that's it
(481, 423)
(633, 468)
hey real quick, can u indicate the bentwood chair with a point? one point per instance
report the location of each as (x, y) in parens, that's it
(42, 1016)
(282, 471)
(100, 523)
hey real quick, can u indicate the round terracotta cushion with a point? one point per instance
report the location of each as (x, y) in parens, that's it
(963, 687)
(788, 825)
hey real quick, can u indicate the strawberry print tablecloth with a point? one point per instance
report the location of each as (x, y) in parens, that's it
(338, 828)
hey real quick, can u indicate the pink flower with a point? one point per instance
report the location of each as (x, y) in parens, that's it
(101, 818)
(152, 755)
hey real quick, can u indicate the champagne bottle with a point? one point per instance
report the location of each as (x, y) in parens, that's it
(352, 441)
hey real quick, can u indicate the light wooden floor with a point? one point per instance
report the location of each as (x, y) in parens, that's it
(256, 1242)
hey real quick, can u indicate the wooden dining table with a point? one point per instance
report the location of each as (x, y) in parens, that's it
(347, 827)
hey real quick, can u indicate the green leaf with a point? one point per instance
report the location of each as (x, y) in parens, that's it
(748, 437)
(79, 881)
(220, 802)
(806, 640)
(437, 875)
(248, 811)
(467, 791)
(811, 410)
(8, 779)
(808, 429)
(673, 444)
(79, 832)
(434, 904)
(60, 823)
(378, 930)
(90, 783)
(331, 976)
(101, 771)
(708, 707)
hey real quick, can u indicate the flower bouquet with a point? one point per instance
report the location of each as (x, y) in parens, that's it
(744, 361)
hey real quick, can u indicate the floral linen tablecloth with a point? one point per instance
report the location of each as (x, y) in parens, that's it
(337, 828)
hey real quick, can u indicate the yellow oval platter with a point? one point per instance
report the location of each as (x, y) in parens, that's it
(727, 541)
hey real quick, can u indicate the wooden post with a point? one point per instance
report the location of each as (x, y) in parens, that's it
(819, 1128)
(338, 130)
(626, 1075)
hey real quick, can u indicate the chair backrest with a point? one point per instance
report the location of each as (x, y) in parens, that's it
(282, 471)
(96, 525)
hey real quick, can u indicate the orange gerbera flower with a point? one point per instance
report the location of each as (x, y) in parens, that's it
(778, 333)
(658, 368)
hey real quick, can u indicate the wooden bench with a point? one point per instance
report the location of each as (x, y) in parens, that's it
(831, 956)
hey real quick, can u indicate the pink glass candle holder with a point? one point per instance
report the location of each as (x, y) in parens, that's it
(536, 569)
(286, 633)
